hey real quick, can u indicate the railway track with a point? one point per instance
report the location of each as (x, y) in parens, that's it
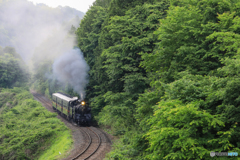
(91, 149)
(95, 144)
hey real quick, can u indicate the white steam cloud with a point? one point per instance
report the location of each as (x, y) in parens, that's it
(72, 68)
(42, 35)
(29, 28)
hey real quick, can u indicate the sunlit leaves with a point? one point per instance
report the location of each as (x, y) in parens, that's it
(25, 125)
(194, 36)
(191, 107)
(182, 131)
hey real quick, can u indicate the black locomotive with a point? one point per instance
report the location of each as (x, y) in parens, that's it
(72, 108)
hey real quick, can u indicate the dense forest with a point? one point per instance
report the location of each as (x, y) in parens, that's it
(163, 76)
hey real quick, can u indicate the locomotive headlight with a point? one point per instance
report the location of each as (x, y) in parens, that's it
(83, 103)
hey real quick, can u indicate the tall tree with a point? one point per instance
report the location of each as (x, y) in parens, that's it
(184, 42)
(12, 71)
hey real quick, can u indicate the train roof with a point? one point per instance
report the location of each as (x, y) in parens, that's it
(66, 98)
(66, 94)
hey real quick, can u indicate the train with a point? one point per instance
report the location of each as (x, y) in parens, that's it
(75, 110)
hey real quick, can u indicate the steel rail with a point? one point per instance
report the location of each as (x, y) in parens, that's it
(99, 143)
(38, 96)
(90, 142)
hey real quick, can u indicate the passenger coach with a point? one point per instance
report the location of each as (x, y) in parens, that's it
(71, 108)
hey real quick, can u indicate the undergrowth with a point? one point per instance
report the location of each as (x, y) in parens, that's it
(28, 130)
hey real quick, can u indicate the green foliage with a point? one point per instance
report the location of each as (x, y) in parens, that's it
(165, 78)
(12, 70)
(144, 105)
(27, 128)
(119, 7)
(43, 82)
(185, 132)
(40, 81)
(191, 38)
(112, 41)
(61, 144)
(131, 34)
(201, 98)
(119, 109)
(97, 104)
(123, 147)
(72, 30)
(88, 35)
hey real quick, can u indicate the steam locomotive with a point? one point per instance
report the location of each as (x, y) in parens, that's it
(73, 109)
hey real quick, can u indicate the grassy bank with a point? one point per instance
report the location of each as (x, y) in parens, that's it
(28, 130)
(60, 145)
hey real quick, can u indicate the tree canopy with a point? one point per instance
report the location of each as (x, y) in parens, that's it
(13, 71)
(164, 76)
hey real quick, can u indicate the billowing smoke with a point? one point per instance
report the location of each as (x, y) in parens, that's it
(71, 68)
(42, 35)
(36, 31)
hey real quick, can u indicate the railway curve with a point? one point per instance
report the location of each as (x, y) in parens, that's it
(90, 143)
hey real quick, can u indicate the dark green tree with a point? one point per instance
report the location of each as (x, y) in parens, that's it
(185, 39)
(12, 71)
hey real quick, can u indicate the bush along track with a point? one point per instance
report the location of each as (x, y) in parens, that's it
(28, 130)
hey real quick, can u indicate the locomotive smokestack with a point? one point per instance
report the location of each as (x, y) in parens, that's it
(72, 68)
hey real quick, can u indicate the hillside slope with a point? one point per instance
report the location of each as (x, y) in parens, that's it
(28, 130)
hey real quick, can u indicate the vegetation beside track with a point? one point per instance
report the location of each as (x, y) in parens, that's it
(164, 76)
(28, 130)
